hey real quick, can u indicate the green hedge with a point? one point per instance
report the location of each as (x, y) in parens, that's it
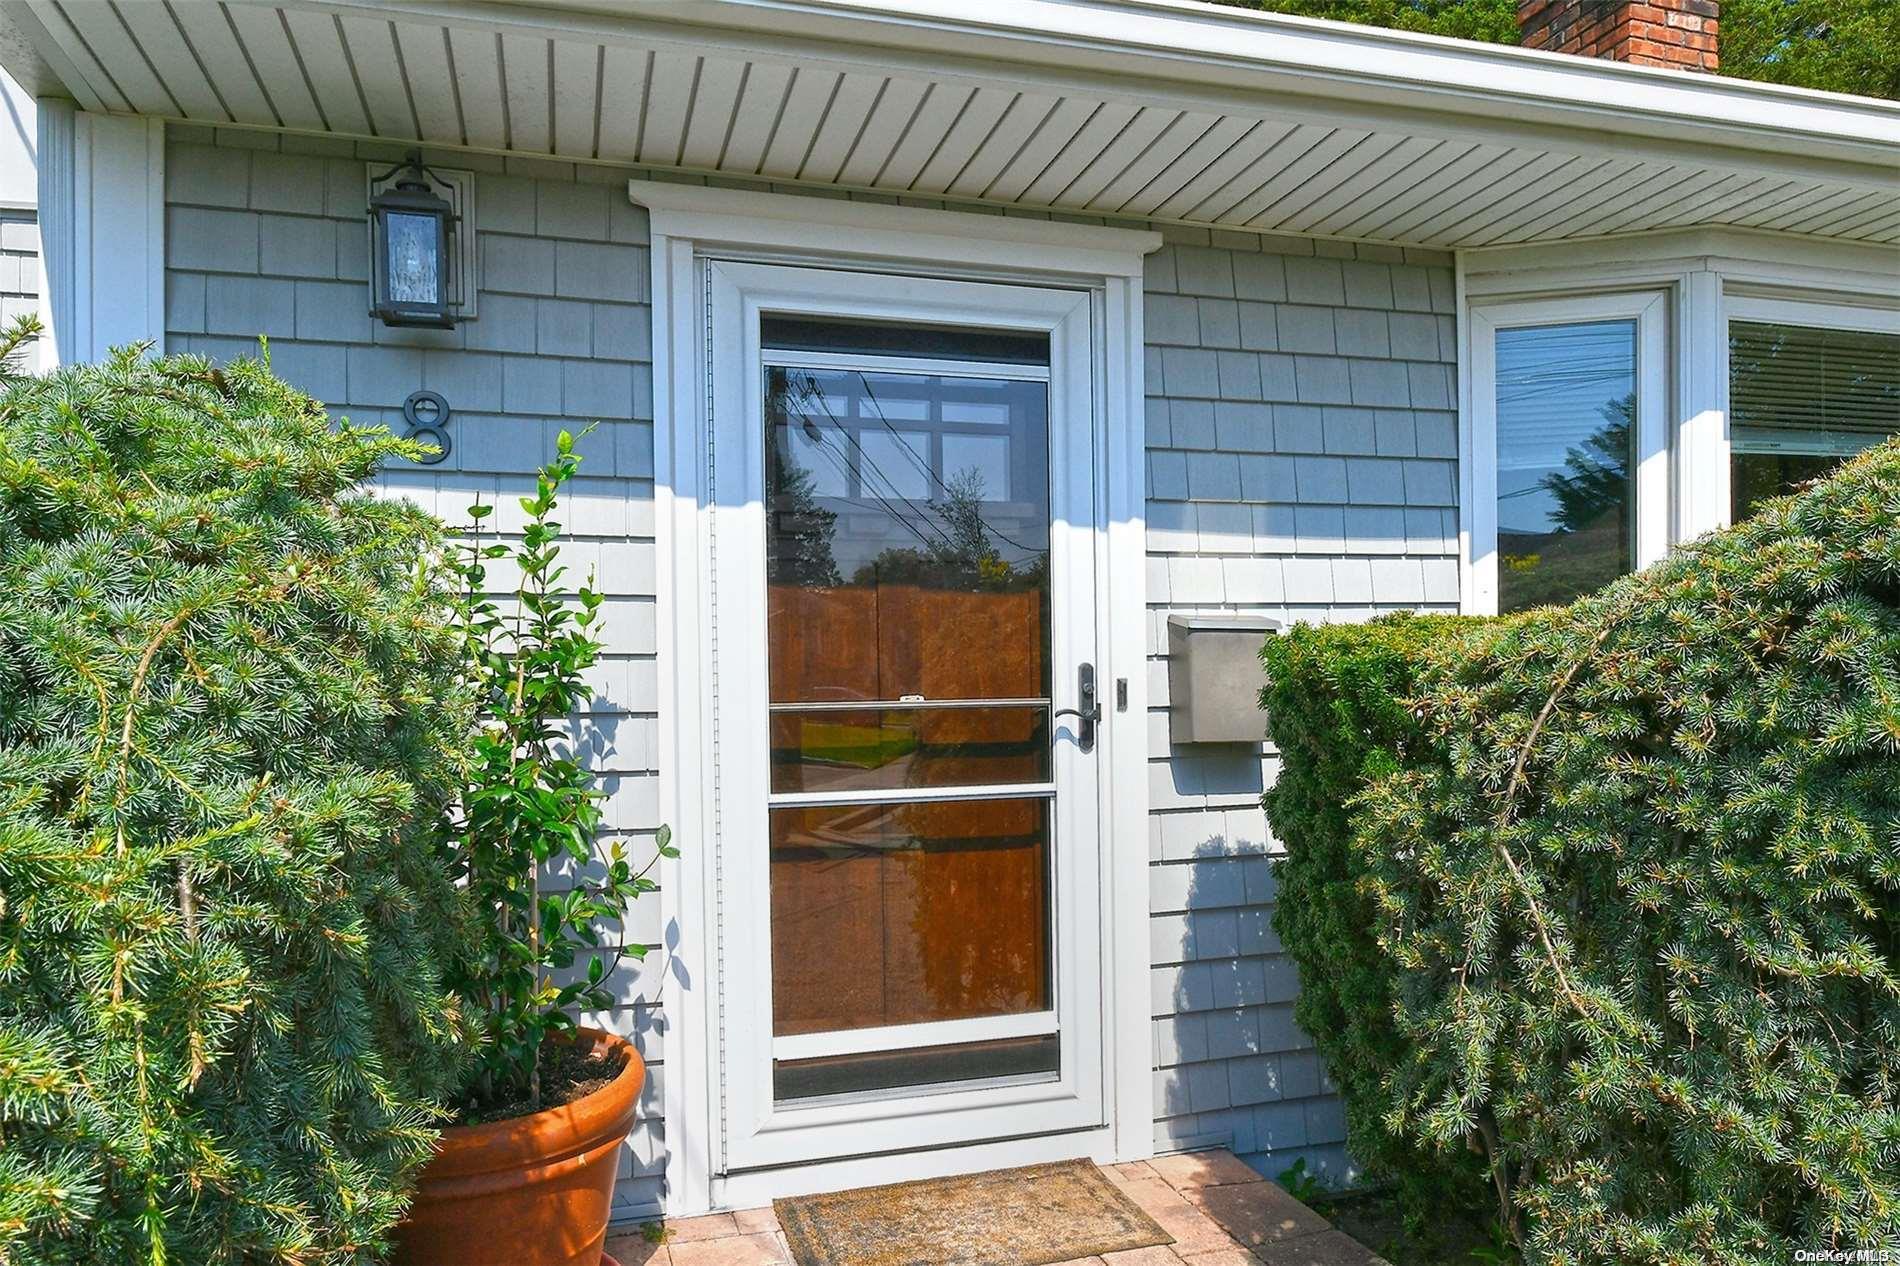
(1335, 701)
(231, 716)
(1629, 871)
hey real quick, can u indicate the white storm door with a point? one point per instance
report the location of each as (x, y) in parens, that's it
(905, 507)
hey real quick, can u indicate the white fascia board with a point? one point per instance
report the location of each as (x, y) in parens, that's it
(1210, 37)
(1870, 271)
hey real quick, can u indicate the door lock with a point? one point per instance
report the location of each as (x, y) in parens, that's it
(1088, 710)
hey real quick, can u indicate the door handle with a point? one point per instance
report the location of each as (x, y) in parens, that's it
(1088, 710)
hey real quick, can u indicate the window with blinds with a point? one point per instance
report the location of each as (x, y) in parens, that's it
(1801, 400)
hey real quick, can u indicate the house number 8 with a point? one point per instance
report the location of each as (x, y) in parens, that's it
(427, 414)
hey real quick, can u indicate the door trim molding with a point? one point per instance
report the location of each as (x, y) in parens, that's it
(761, 1186)
(689, 223)
(923, 237)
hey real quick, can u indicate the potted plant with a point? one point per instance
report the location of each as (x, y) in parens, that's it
(526, 1177)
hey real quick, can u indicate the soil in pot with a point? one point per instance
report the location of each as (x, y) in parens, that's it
(568, 1072)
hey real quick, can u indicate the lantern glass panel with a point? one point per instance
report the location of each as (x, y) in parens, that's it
(415, 264)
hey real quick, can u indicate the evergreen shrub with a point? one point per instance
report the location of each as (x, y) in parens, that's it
(1336, 699)
(1636, 875)
(231, 722)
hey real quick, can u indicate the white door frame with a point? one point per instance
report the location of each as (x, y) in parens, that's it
(690, 223)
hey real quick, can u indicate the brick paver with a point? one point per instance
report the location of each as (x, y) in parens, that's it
(1257, 1213)
(1186, 1171)
(1220, 1212)
(762, 1249)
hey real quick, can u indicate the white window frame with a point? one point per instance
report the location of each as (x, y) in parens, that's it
(1478, 512)
(1707, 273)
(691, 223)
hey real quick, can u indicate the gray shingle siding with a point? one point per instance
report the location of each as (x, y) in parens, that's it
(1301, 463)
(271, 241)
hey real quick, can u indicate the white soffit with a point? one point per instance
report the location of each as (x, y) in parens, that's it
(1135, 109)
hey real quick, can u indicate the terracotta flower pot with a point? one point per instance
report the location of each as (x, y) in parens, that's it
(528, 1191)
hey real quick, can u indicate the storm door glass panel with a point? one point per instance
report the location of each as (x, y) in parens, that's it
(1566, 411)
(908, 913)
(908, 644)
(1803, 399)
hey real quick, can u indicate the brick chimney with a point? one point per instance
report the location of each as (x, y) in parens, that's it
(1677, 34)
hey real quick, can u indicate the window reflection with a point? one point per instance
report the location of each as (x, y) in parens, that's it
(1758, 477)
(886, 749)
(907, 536)
(900, 914)
(1566, 413)
(907, 608)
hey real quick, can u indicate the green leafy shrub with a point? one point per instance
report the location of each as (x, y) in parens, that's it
(231, 721)
(1637, 883)
(1336, 704)
(532, 806)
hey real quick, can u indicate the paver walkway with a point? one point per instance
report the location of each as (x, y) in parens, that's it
(1219, 1211)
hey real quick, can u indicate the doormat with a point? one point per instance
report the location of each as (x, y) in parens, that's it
(1007, 1217)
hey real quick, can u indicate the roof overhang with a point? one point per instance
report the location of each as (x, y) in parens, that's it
(1161, 110)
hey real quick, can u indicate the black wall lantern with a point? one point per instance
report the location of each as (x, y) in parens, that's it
(415, 273)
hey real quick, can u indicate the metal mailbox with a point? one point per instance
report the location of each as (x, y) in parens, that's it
(1214, 678)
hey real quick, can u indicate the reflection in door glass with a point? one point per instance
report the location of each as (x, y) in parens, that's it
(833, 749)
(908, 647)
(1566, 422)
(928, 1066)
(891, 914)
(908, 913)
(908, 536)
